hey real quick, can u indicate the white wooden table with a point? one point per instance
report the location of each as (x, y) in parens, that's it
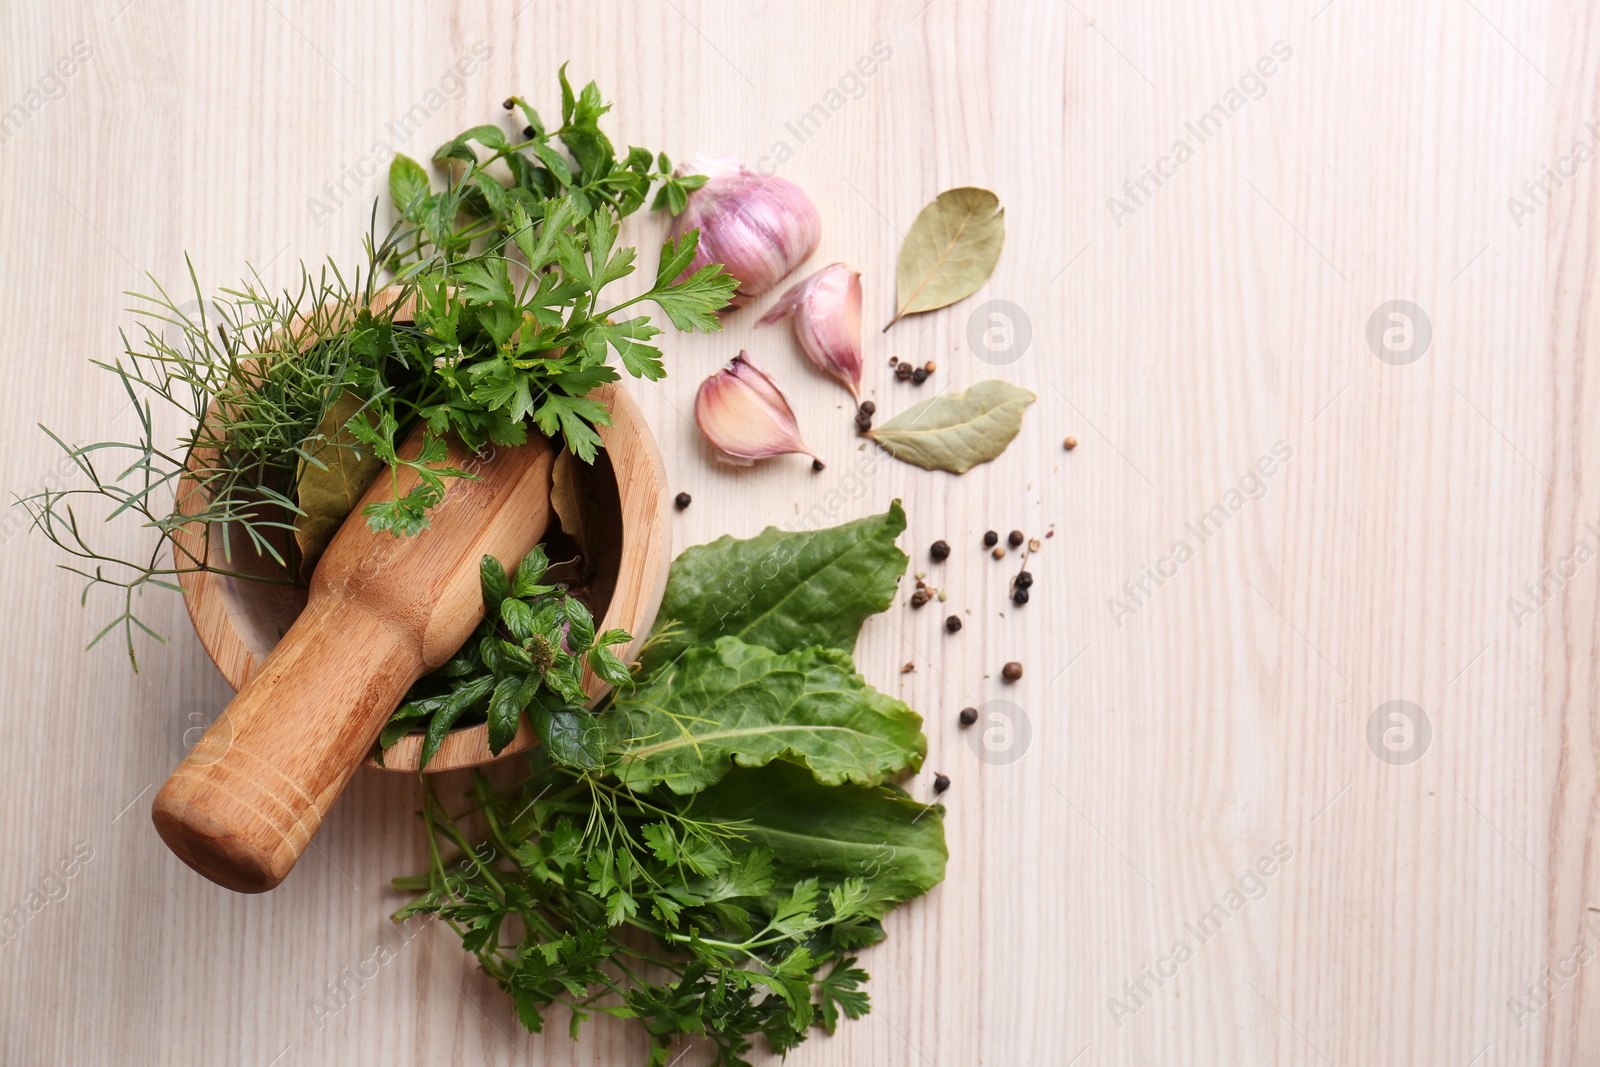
(1208, 850)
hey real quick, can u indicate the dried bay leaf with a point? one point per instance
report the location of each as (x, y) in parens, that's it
(951, 250)
(957, 431)
(328, 493)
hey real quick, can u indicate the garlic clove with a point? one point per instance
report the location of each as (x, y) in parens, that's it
(827, 321)
(759, 226)
(745, 416)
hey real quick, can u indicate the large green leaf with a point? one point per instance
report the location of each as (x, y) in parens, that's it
(784, 590)
(875, 833)
(746, 704)
(329, 487)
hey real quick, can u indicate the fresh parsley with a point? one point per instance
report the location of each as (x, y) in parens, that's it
(702, 876)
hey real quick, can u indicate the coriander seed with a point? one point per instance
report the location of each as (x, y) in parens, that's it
(1011, 671)
(1070, 443)
(930, 366)
(999, 552)
(940, 551)
(968, 716)
(682, 500)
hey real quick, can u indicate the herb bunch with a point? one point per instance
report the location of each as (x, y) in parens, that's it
(527, 655)
(739, 840)
(293, 401)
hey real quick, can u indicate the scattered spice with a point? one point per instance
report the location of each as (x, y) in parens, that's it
(1070, 443)
(868, 408)
(863, 421)
(940, 551)
(968, 716)
(953, 623)
(990, 539)
(902, 371)
(508, 103)
(919, 376)
(1024, 580)
(894, 360)
(930, 366)
(817, 464)
(682, 500)
(941, 782)
(1011, 671)
(1015, 539)
(1035, 544)
(908, 668)
(1019, 595)
(999, 552)
(919, 598)
(527, 132)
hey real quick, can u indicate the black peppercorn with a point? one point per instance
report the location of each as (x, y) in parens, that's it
(968, 716)
(1024, 580)
(990, 539)
(902, 371)
(919, 376)
(868, 408)
(1011, 671)
(863, 421)
(941, 782)
(1019, 595)
(940, 551)
(1015, 538)
(953, 623)
(682, 500)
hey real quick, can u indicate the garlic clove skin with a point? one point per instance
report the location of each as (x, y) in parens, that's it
(827, 321)
(759, 226)
(745, 416)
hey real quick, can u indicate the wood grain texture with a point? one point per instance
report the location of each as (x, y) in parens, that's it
(1172, 742)
(381, 612)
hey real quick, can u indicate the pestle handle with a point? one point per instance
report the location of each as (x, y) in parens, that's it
(245, 802)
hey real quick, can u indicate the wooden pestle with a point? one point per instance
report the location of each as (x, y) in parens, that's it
(383, 611)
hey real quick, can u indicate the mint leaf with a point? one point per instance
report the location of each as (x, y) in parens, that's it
(408, 184)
